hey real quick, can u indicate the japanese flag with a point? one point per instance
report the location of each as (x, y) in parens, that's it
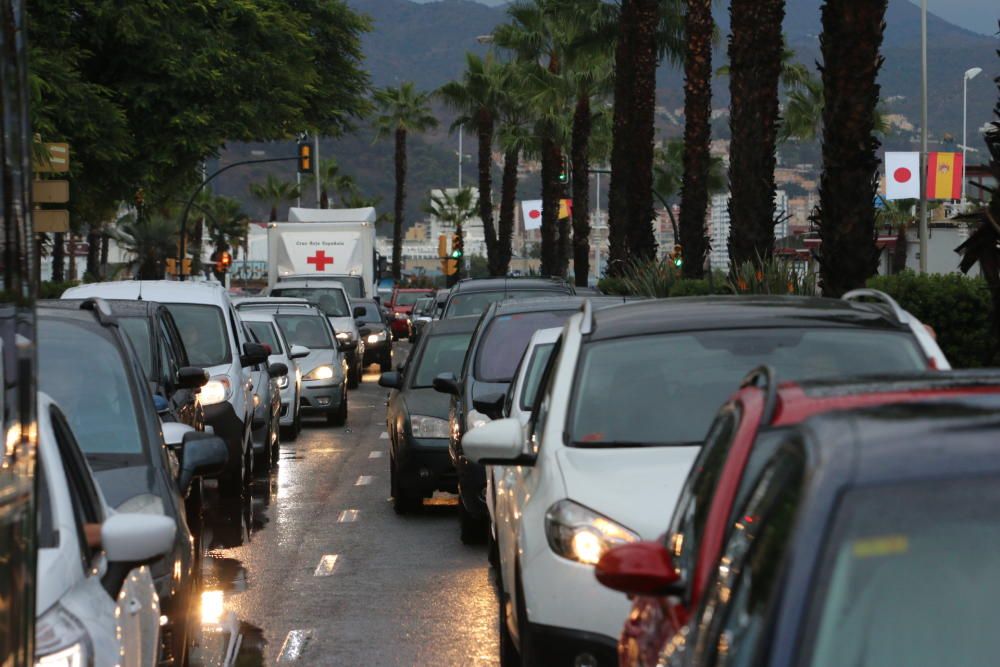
(531, 212)
(902, 175)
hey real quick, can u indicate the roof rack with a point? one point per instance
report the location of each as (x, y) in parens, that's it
(763, 377)
(866, 293)
(99, 307)
(587, 323)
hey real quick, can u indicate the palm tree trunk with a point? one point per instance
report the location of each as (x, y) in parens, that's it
(900, 252)
(755, 52)
(400, 201)
(274, 213)
(324, 198)
(508, 204)
(93, 252)
(850, 44)
(58, 258)
(699, 28)
(581, 190)
(105, 248)
(641, 240)
(550, 207)
(485, 125)
(621, 160)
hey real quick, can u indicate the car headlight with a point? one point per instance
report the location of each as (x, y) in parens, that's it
(345, 336)
(60, 640)
(320, 373)
(429, 427)
(216, 390)
(376, 337)
(581, 534)
(282, 381)
(144, 503)
(400, 316)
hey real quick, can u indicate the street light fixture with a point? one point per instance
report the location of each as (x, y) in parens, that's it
(970, 74)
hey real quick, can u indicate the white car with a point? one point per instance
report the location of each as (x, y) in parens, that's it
(624, 405)
(96, 602)
(263, 324)
(214, 340)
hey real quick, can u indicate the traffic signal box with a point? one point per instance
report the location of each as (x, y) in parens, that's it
(449, 260)
(306, 165)
(677, 256)
(172, 267)
(223, 262)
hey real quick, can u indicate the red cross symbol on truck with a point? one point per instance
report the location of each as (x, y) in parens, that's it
(320, 260)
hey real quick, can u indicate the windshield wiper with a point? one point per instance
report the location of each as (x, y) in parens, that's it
(623, 444)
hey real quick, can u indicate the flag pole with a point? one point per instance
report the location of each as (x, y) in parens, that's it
(923, 136)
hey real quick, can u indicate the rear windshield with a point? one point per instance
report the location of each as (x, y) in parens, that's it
(442, 354)
(266, 334)
(372, 313)
(137, 330)
(407, 298)
(203, 332)
(505, 340)
(476, 303)
(312, 331)
(330, 300)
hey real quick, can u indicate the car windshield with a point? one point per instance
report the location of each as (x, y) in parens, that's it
(372, 313)
(352, 284)
(476, 303)
(533, 373)
(894, 550)
(443, 353)
(137, 330)
(665, 389)
(311, 331)
(407, 298)
(92, 389)
(203, 332)
(330, 300)
(423, 306)
(505, 340)
(267, 335)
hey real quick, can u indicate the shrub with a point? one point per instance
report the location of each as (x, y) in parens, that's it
(51, 290)
(774, 275)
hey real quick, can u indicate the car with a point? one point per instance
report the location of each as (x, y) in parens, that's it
(267, 406)
(472, 296)
(374, 328)
(627, 399)
(263, 324)
(417, 415)
(324, 369)
(96, 601)
(210, 332)
(423, 312)
(868, 538)
(478, 393)
(107, 403)
(157, 342)
(746, 432)
(401, 308)
(332, 298)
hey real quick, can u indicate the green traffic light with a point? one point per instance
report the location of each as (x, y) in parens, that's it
(456, 254)
(678, 262)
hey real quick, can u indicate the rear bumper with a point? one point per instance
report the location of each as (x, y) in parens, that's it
(423, 465)
(401, 328)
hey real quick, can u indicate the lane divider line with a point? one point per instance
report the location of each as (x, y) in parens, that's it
(326, 565)
(375, 455)
(363, 480)
(294, 644)
(384, 436)
(348, 516)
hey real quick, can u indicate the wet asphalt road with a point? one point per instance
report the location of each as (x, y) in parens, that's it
(318, 570)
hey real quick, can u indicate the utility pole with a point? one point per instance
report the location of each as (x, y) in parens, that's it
(969, 75)
(923, 136)
(316, 166)
(461, 131)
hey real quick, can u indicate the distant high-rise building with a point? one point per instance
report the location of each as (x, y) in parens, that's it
(718, 223)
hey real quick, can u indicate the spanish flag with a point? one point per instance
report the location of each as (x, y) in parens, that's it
(944, 176)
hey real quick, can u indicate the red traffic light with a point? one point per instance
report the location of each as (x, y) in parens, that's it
(223, 262)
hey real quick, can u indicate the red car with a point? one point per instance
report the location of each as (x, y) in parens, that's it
(668, 578)
(400, 306)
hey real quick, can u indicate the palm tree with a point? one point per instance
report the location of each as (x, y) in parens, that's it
(454, 208)
(401, 110)
(273, 193)
(803, 119)
(756, 47)
(332, 180)
(850, 45)
(514, 139)
(150, 239)
(668, 182)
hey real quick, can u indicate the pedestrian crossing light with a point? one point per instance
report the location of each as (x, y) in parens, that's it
(677, 256)
(305, 158)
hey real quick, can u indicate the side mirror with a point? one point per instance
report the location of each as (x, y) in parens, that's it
(277, 370)
(299, 352)
(192, 377)
(359, 312)
(499, 442)
(391, 380)
(490, 405)
(174, 434)
(160, 404)
(137, 538)
(253, 354)
(204, 456)
(447, 383)
(641, 568)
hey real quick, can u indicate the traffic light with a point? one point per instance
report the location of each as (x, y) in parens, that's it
(305, 158)
(449, 267)
(223, 260)
(677, 256)
(563, 170)
(457, 251)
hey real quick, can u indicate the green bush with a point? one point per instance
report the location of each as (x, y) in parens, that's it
(959, 308)
(51, 290)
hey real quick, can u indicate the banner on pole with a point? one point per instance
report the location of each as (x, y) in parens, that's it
(531, 214)
(902, 175)
(944, 176)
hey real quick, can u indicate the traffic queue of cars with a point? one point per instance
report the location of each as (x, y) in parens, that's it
(147, 389)
(706, 481)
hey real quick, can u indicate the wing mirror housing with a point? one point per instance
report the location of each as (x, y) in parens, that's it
(490, 405)
(204, 456)
(253, 354)
(192, 377)
(447, 383)
(135, 539)
(299, 352)
(277, 370)
(174, 434)
(391, 380)
(640, 568)
(499, 442)
(161, 404)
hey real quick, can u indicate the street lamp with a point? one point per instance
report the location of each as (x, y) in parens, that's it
(970, 74)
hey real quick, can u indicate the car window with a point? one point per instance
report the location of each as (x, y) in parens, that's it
(104, 421)
(266, 334)
(170, 362)
(533, 373)
(84, 496)
(170, 326)
(406, 298)
(764, 446)
(675, 381)
(312, 331)
(423, 306)
(476, 303)
(909, 577)
(543, 399)
(330, 300)
(48, 536)
(203, 330)
(137, 330)
(442, 353)
(506, 338)
(372, 313)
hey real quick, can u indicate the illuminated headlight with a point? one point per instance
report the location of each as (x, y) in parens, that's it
(429, 427)
(401, 316)
(580, 534)
(282, 382)
(144, 503)
(60, 640)
(216, 390)
(376, 337)
(345, 336)
(320, 373)
(256, 400)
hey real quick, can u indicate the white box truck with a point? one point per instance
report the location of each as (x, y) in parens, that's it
(325, 244)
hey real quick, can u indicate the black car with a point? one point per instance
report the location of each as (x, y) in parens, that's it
(105, 397)
(474, 295)
(868, 538)
(374, 330)
(417, 418)
(478, 393)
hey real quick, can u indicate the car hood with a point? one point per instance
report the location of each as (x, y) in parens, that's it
(120, 484)
(318, 358)
(428, 402)
(372, 327)
(635, 486)
(340, 324)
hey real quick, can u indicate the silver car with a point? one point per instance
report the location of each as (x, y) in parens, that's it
(264, 326)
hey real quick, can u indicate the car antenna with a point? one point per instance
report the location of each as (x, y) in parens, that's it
(139, 298)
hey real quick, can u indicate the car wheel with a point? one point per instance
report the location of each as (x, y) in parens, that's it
(471, 529)
(527, 651)
(231, 483)
(288, 433)
(338, 416)
(508, 652)
(385, 364)
(492, 550)
(402, 501)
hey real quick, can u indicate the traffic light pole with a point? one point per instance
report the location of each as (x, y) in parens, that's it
(182, 247)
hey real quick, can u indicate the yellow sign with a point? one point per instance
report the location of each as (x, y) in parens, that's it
(50, 222)
(50, 192)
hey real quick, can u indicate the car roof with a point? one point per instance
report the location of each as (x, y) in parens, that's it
(495, 284)
(545, 336)
(257, 316)
(164, 291)
(266, 300)
(426, 290)
(452, 325)
(555, 302)
(735, 312)
(119, 307)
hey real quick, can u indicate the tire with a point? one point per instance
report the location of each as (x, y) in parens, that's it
(509, 656)
(472, 530)
(385, 364)
(492, 550)
(338, 416)
(526, 652)
(232, 482)
(353, 377)
(402, 501)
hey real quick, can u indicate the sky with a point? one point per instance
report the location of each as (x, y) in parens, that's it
(975, 15)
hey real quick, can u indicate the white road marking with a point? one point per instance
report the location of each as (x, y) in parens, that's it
(364, 480)
(295, 642)
(384, 436)
(375, 455)
(348, 516)
(326, 565)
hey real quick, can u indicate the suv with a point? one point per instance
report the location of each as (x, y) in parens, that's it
(263, 324)
(214, 340)
(627, 399)
(374, 330)
(473, 296)
(401, 309)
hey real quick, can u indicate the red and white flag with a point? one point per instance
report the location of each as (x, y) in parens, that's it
(531, 213)
(902, 175)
